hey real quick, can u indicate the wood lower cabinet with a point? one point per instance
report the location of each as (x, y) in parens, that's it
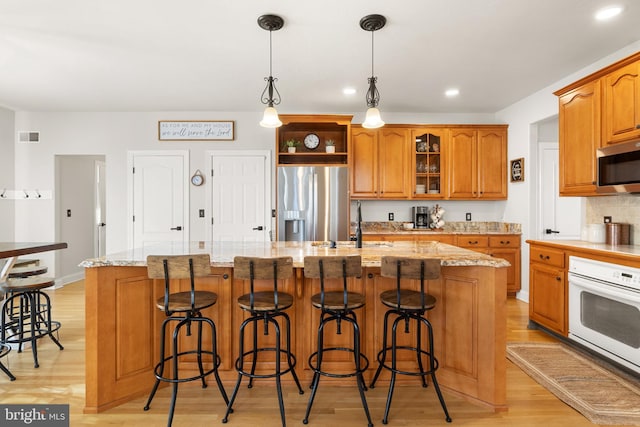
(579, 125)
(621, 104)
(477, 163)
(505, 246)
(548, 288)
(380, 163)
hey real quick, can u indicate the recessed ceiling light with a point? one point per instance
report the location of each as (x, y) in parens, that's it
(450, 93)
(349, 91)
(608, 12)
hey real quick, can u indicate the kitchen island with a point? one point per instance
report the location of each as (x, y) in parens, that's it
(123, 324)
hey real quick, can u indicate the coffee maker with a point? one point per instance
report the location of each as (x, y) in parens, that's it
(421, 216)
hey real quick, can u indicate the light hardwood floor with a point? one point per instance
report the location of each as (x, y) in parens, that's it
(60, 379)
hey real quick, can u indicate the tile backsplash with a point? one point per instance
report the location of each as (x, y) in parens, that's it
(623, 208)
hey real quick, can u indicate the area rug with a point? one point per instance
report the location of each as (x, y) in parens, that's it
(601, 394)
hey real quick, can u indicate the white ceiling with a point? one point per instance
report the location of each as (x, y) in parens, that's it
(170, 55)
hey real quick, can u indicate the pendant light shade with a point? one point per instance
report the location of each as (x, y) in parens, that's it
(372, 120)
(270, 95)
(270, 118)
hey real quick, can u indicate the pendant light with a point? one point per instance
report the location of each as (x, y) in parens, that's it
(372, 120)
(270, 95)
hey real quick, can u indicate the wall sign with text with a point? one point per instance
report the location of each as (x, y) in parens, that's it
(204, 130)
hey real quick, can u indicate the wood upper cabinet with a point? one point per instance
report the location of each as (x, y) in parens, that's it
(579, 125)
(427, 148)
(380, 163)
(621, 104)
(477, 163)
(602, 108)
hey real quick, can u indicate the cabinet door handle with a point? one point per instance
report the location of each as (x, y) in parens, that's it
(370, 275)
(473, 243)
(558, 278)
(638, 126)
(502, 242)
(544, 257)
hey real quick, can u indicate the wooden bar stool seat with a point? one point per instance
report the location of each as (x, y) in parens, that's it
(336, 306)
(26, 313)
(25, 262)
(264, 301)
(27, 271)
(267, 307)
(182, 309)
(406, 305)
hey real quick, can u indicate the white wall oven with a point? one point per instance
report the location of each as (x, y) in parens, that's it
(604, 309)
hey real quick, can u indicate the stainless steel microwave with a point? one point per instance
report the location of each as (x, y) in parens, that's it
(619, 168)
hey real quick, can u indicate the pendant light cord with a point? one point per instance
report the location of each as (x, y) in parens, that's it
(372, 50)
(270, 54)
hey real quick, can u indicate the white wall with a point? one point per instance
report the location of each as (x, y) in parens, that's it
(7, 206)
(523, 138)
(112, 135)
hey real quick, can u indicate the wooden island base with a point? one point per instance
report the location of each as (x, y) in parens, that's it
(123, 324)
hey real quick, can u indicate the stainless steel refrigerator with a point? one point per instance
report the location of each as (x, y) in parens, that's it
(313, 203)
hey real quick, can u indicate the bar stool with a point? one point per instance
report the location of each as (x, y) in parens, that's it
(26, 313)
(266, 306)
(408, 304)
(4, 350)
(184, 308)
(336, 306)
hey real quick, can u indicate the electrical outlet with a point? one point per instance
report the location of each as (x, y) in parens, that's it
(468, 216)
(607, 219)
(390, 216)
(201, 213)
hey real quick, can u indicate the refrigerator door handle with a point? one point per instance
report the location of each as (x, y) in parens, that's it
(314, 204)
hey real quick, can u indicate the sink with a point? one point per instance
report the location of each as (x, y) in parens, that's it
(349, 244)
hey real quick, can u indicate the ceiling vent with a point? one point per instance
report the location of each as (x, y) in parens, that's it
(29, 137)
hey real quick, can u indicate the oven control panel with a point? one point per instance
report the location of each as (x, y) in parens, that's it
(607, 272)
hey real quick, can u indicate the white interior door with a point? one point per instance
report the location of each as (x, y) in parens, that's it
(560, 217)
(240, 196)
(159, 197)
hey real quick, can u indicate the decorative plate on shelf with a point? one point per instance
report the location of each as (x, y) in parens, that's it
(311, 141)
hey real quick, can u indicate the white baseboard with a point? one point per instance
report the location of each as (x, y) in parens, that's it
(70, 278)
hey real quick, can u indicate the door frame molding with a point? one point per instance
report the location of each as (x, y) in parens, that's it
(268, 178)
(131, 155)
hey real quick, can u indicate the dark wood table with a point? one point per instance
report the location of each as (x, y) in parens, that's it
(12, 250)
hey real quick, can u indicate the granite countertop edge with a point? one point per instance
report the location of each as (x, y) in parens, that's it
(625, 250)
(222, 253)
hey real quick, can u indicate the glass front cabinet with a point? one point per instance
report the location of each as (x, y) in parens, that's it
(427, 163)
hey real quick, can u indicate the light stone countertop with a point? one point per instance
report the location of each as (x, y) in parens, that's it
(222, 253)
(628, 250)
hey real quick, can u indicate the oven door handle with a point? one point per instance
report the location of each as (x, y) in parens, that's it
(608, 290)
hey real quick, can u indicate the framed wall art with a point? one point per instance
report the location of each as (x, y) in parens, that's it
(196, 130)
(517, 170)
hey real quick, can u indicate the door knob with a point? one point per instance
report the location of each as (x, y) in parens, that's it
(550, 231)
(102, 224)
(178, 228)
(259, 228)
